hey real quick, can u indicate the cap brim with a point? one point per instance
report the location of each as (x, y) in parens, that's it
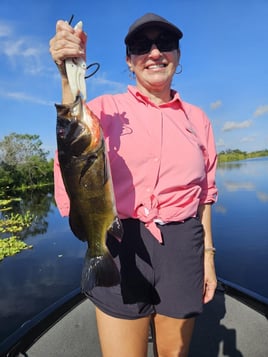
(163, 25)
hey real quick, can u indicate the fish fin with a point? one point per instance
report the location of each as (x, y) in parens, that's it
(99, 271)
(76, 225)
(116, 229)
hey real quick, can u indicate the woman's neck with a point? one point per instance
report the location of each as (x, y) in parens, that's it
(156, 97)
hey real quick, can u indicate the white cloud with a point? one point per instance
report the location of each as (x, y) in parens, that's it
(216, 105)
(20, 48)
(21, 96)
(22, 52)
(261, 110)
(248, 139)
(232, 125)
(220, 142)
(107, 84)
(5, 30)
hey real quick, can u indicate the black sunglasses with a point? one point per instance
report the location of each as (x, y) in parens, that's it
(164, 42)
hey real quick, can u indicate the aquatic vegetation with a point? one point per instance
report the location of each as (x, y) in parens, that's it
(10, 227)
(15, 222)
(11, 246)
(5, 203)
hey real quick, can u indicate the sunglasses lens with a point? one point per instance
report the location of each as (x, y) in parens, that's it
(140, 47)
(164, 42)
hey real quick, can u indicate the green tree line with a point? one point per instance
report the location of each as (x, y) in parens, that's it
(236, 155)
(23, 163)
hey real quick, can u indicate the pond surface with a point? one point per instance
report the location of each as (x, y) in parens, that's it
(34, 279)
(240, 226)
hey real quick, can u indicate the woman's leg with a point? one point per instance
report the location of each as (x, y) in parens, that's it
(172, 336)
(121, 337)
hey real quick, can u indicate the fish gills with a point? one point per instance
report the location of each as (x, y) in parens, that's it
(86, 175)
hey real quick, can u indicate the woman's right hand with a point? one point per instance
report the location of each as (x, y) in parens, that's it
(67, 43)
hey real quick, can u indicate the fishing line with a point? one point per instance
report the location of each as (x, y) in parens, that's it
(71, 19)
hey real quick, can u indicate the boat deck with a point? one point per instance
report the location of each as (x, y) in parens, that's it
(226, 328)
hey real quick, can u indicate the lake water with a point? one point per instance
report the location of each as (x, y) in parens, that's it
(34, 279)
(240, 226)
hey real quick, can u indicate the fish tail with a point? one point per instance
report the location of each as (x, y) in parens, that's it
(99, 271)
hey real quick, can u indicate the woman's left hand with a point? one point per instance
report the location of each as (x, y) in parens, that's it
(210, 279)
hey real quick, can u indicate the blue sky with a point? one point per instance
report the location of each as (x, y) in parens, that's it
(224, 60)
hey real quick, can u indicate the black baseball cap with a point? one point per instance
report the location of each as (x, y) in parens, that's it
(149, 20)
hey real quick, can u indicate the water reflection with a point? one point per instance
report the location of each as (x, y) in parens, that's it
(229, 165)
(237, 186)
(34, 279)
(38, 203)
(262, 196)
(239, 224)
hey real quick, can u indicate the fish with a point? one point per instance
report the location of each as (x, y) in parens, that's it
(86, 174)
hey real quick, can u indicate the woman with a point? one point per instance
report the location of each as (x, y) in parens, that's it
(163, 163)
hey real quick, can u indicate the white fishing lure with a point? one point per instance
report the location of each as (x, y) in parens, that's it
(76, 72)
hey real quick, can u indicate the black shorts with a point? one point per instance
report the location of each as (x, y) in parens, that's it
(159, 278)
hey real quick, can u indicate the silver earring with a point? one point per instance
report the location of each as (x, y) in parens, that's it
(180, 69)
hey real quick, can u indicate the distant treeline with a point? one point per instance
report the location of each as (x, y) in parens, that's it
(235, 155)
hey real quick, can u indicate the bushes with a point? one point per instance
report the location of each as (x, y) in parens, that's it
(236, 155)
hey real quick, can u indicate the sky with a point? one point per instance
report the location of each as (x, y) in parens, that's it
(224, 57)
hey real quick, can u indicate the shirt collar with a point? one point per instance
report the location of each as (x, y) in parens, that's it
(143, 98)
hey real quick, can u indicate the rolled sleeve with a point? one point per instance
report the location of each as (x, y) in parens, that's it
(209, 192)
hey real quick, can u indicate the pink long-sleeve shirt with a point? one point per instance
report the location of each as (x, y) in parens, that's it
(163, 158)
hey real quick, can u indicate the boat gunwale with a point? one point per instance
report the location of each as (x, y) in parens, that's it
(22, 339)
(28, 333)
